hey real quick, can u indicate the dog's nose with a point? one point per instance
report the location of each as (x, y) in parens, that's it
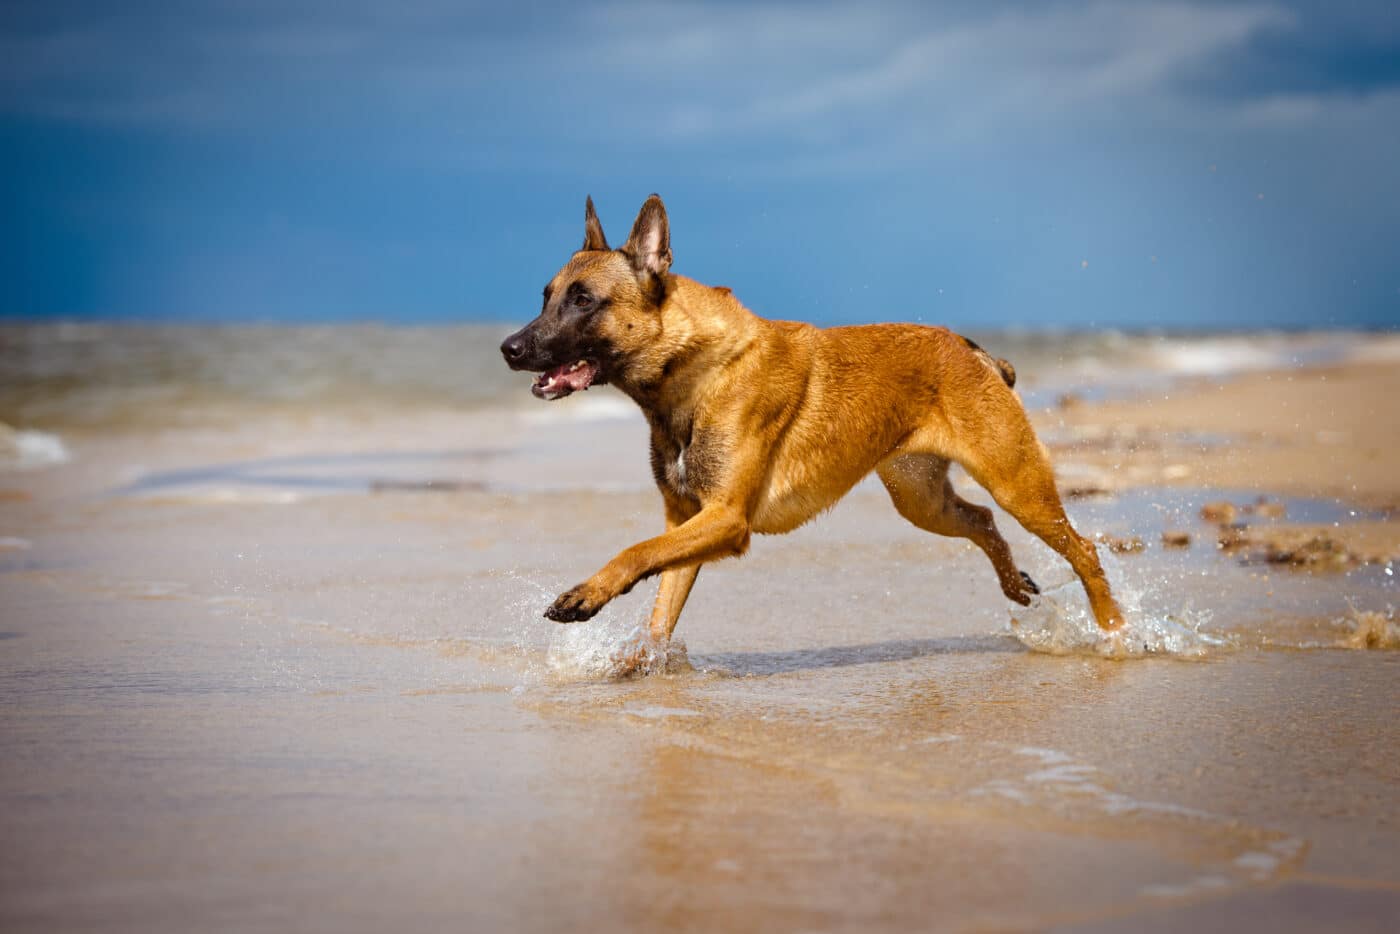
(513, 348)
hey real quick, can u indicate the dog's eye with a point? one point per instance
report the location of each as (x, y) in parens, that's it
(582, 300)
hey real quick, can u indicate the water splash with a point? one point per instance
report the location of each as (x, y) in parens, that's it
(1059, 621)
(1369, 629)
(611, 647)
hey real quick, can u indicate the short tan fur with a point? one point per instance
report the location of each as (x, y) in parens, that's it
(759, 425)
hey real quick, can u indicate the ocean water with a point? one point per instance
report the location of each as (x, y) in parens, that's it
(106, 375)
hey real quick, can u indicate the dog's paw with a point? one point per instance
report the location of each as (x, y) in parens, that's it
(575, 605)
(1020, 591)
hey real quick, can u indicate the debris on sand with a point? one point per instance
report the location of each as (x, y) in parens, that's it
(1120, 545)
(1304, 551)
(1221, 512)
(1266, 508)
(1233, 537)
(1068, 400)
(1224, 512)
(1079, 481)
(1175, 539)
(1316, 547)
(1319, 548)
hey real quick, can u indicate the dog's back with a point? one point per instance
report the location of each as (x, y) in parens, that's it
(840, 400)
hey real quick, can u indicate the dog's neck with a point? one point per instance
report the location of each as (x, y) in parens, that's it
(702, 329)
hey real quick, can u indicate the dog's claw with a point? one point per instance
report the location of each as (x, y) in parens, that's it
(1020, 589)
(571, 607)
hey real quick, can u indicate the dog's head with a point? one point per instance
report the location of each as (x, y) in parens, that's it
(600, 310)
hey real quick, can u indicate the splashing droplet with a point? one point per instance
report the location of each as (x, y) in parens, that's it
(1059, 621)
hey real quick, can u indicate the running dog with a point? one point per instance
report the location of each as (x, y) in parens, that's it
(759, 425)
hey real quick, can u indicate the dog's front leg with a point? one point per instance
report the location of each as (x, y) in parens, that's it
(716, 531)
(675, 582)
(670, 600)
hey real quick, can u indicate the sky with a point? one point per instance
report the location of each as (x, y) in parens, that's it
(1056, 164)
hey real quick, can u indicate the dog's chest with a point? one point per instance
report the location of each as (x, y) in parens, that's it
(676, 477)
(681, 464)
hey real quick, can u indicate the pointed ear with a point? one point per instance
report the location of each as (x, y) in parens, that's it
(649, 247)
(593, 238)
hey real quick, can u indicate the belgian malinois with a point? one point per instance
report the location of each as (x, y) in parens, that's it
(759, 425)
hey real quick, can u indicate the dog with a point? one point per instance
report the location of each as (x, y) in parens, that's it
(758, 425)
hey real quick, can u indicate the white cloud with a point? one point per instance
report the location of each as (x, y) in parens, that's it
(795, 84)
(1378, 112)
(1020, 66)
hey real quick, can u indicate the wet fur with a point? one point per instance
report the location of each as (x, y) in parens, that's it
(758, 425)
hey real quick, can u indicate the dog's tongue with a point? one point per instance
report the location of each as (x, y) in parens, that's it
(562, 380)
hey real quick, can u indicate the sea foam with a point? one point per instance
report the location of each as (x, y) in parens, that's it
(30, 450)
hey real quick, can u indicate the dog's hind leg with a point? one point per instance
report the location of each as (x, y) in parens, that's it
(918, 484)
(1010, 463)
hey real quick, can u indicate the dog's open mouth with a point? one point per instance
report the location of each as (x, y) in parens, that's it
(563, 380)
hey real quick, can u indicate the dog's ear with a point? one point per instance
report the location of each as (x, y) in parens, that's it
(593, 238)
(649, 246)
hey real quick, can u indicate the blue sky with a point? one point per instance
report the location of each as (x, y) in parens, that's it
(1050, 164)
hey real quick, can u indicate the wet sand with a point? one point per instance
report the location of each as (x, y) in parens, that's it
(244, 691)
(1316, 431)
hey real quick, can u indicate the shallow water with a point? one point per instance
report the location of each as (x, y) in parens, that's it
(291, 673)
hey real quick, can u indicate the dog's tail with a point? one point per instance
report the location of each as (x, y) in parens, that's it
(1008, 372)
(1004, 367)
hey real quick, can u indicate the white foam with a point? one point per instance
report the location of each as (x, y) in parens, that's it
(1062, 775)
(1219, 356)
(1261, 864)
(1377, 348)
(657, 712)
(225, 495)
(598, 408)
(1059, 621)
(30, 450)
(1002, 788)
(1059, 781)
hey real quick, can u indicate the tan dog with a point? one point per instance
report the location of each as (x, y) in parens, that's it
(759, 425)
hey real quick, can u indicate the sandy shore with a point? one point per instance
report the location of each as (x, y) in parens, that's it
(1320, 432)
(292, 676)
(1323, 431)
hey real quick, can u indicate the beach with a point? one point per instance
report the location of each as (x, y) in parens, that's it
(272, 655)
